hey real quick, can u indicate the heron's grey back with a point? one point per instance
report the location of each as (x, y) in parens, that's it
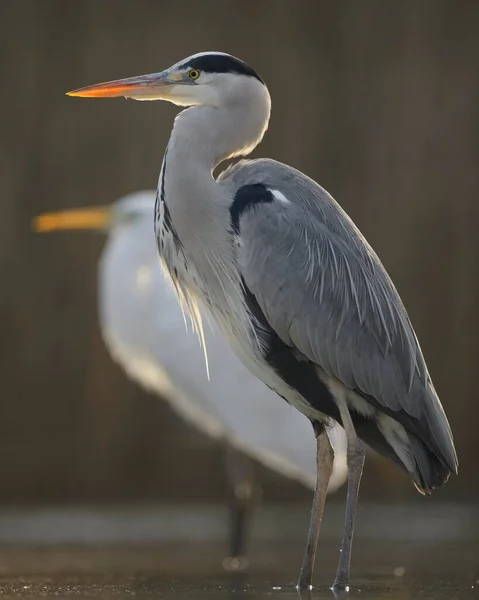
(324, 291)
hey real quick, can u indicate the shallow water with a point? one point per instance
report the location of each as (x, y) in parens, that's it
(380, 570)
(399, 553)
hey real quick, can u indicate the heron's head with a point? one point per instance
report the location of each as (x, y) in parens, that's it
(205, 79)
(132, 209)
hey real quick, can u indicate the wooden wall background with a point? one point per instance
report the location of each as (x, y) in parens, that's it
(378, 100)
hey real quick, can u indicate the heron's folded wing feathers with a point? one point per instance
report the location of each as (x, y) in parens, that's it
(324, 291)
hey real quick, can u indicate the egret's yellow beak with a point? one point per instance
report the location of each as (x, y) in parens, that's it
(82, 218)
(145, 87)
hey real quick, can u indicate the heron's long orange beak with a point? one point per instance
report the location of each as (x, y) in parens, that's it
(144, 87)
(82, 218)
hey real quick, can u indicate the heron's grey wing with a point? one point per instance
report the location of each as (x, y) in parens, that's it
(323, 299)
(324, 292)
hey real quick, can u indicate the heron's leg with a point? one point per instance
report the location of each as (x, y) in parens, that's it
(243, 496)
(324, 468)
(355, 458)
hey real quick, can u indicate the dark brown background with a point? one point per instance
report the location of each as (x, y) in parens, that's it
(378, 100)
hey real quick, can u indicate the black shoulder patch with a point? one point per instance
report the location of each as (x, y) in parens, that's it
(247, 197)
(222, 63)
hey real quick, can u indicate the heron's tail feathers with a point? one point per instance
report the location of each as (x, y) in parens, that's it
(431, 445)
(429, 471)
(427, 468)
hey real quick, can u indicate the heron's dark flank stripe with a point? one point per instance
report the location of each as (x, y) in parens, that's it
(246, 198)
(294, 369)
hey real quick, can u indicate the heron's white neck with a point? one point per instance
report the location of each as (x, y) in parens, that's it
(215, 133)
(197, 204)
(202, 137)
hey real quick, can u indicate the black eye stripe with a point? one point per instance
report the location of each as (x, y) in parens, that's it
(221, 63)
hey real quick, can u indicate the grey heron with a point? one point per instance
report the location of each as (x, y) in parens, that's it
(144, 330)
(303, 298)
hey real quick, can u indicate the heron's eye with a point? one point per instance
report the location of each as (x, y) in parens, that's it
(193, 74)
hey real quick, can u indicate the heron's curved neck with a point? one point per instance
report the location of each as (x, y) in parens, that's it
(202, 137)
(206, 136)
